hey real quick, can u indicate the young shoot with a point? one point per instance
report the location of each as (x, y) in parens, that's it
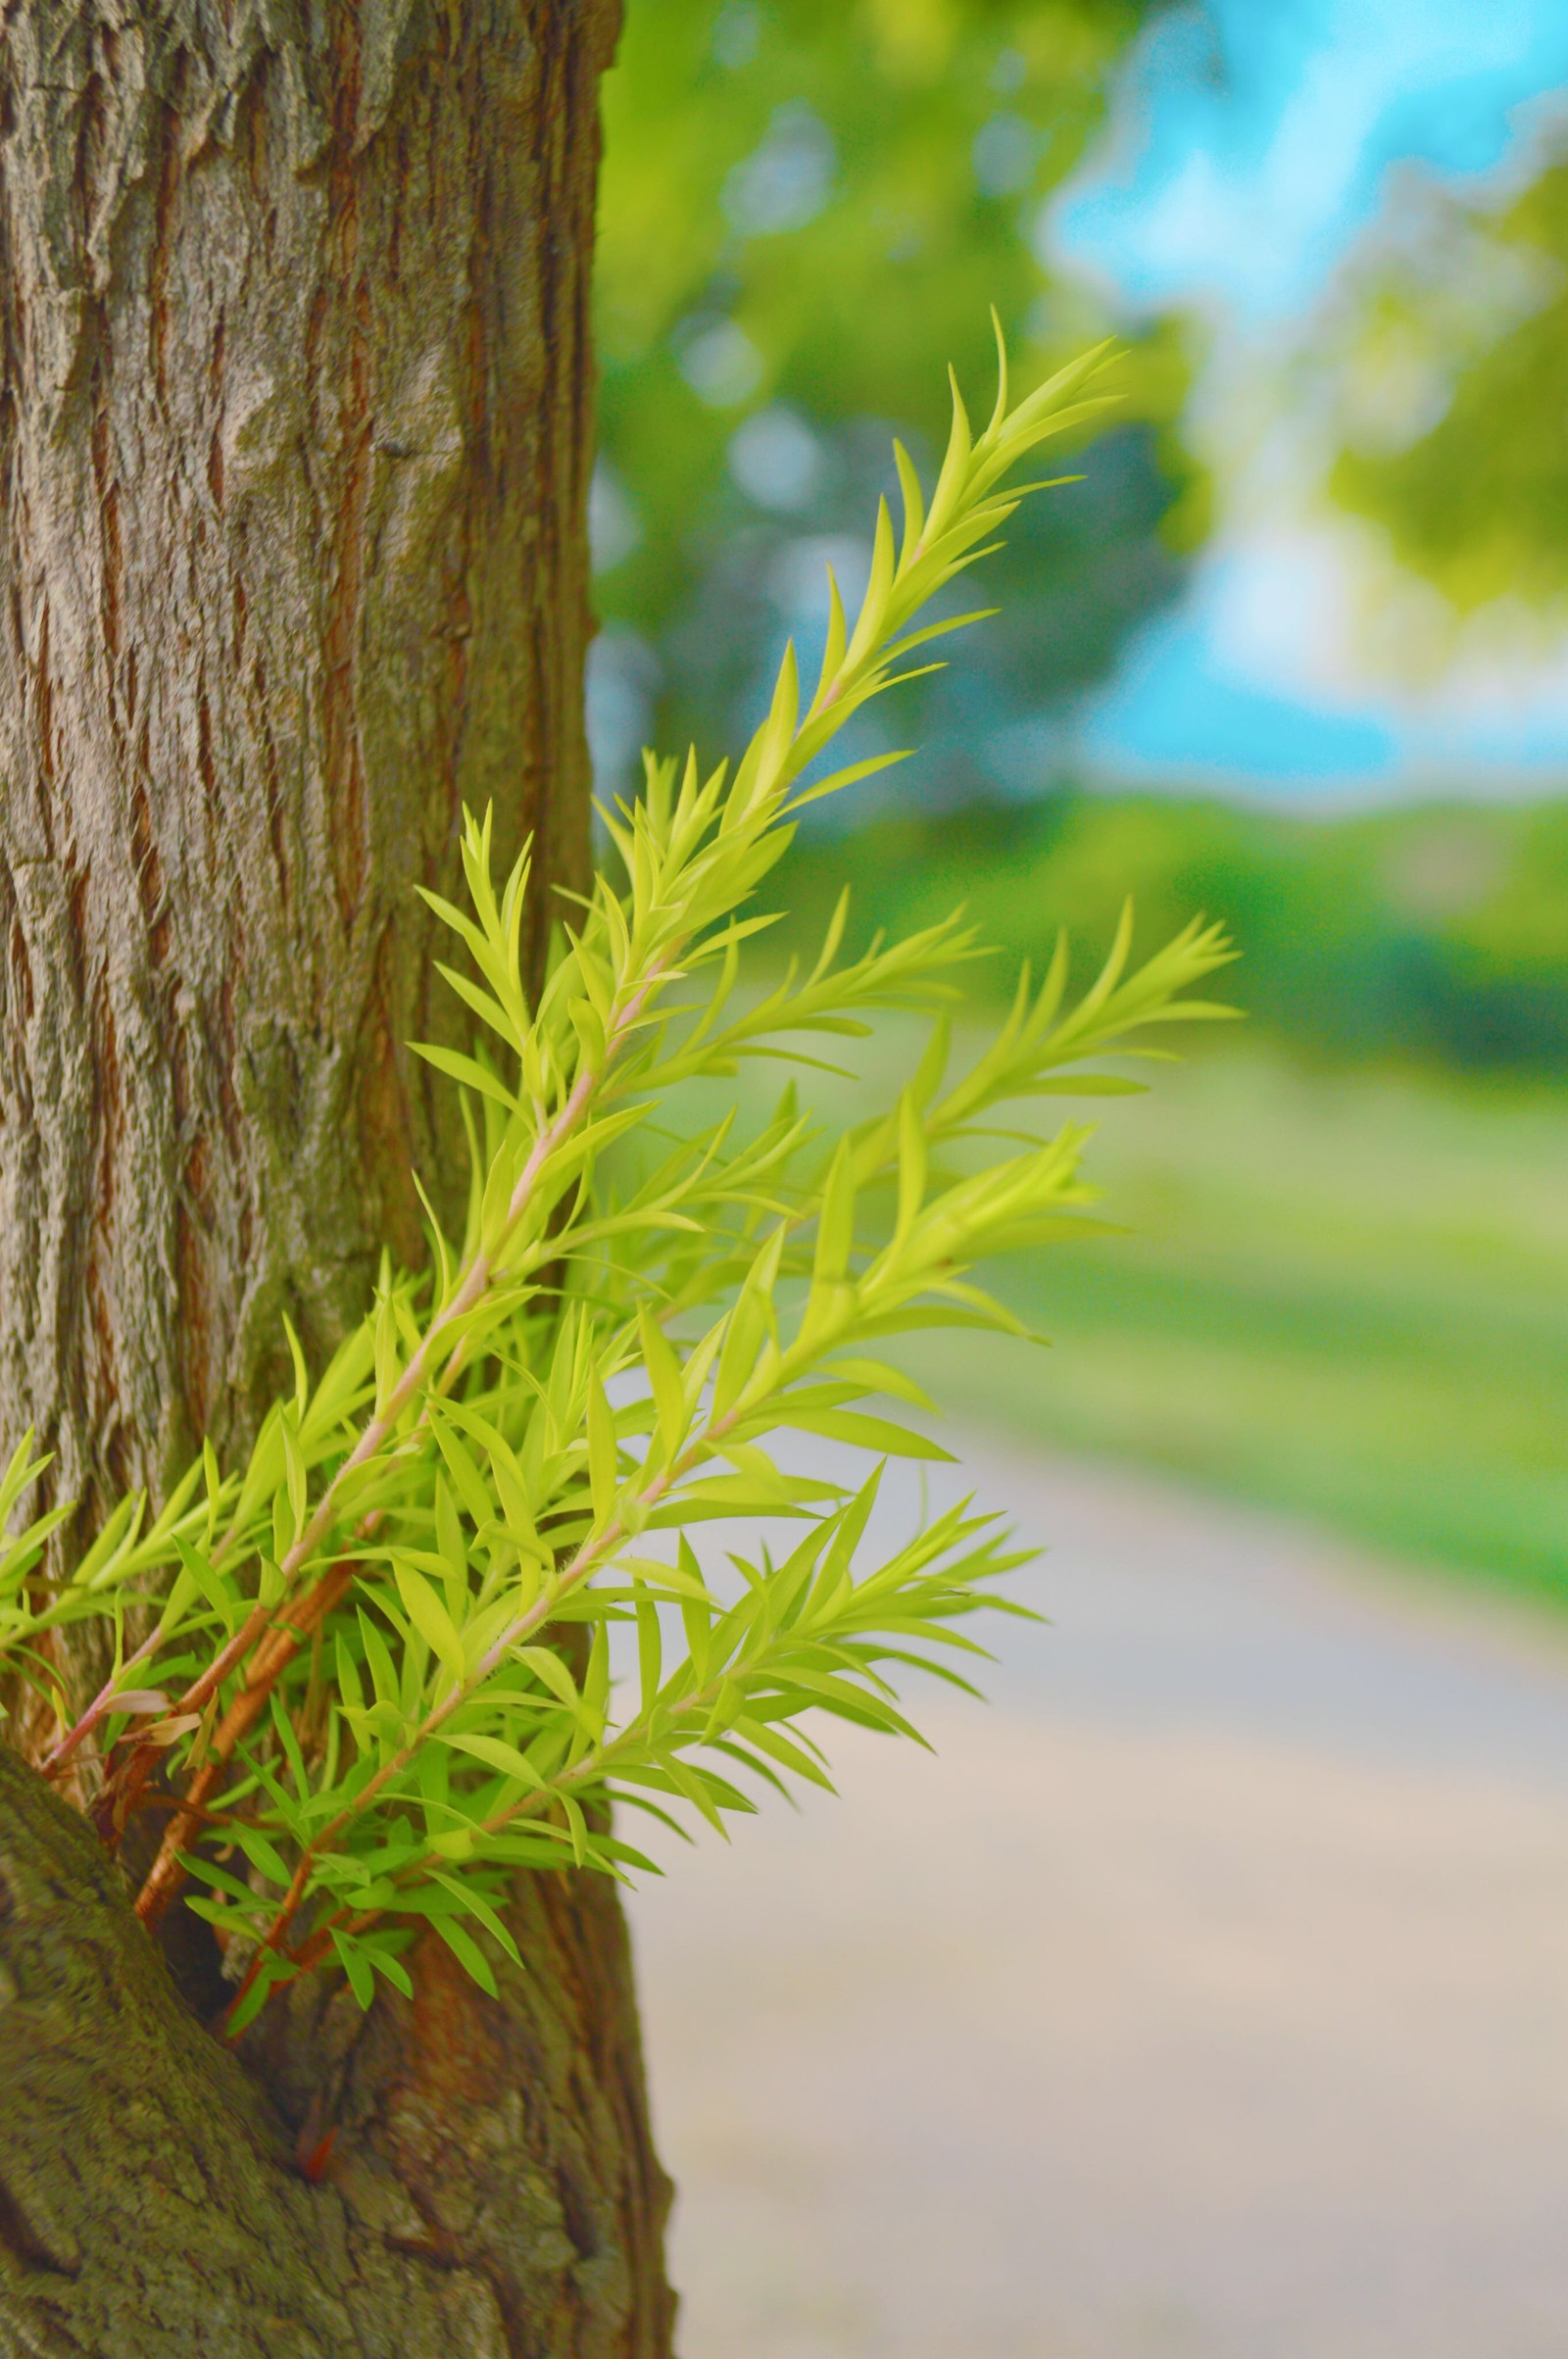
(366, 1673)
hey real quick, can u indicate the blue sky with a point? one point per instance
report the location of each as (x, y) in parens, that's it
(1250, 145)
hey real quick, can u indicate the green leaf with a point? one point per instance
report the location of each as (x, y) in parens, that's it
(302, 1380)
(867, 1433)
(294, 1474)
(383, 1677)
(464, 1473)
(356, 1965)
(468, 1954)
(496, 1753)
(347, 1672)
(283, 1729)
(453, 1551)
(835, 1228)
(386, 1961)
(664, 1377)
(880, 1376)
(209, 1872)
(581, 1846)
(97, 1568)
(596, 1679)
(603, 1470)
(269, 1970)
(468, 1897)
(468, 1070)
(265, 1471)
(260, 1851)
(429, 1616)
(199, 1570)
(782, 1749)
(698, 1620)
(650, 1662)
(549, 1668)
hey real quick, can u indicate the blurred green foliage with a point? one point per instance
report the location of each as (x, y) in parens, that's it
(1463, 328)
(807, 207)
(1437, 933)
(1339, 1294)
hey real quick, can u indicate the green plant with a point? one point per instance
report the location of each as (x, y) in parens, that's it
(382, 1645)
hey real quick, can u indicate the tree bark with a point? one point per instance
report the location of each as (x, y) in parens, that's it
(295, 425)
(475, 2200)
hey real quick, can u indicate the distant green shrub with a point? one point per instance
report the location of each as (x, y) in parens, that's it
(1436, 933)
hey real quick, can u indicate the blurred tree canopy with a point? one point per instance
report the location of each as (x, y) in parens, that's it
(1456, 364)
(807, 207)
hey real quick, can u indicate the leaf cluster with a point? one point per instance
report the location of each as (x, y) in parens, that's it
(376, 1668)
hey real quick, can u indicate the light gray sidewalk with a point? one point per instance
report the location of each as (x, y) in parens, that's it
(1205, 1997)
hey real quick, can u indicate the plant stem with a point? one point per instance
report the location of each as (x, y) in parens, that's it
(56, 1758)
(166, 1874)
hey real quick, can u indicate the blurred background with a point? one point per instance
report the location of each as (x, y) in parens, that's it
(1292, 652)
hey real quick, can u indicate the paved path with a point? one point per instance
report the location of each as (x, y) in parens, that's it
(1207, 1997)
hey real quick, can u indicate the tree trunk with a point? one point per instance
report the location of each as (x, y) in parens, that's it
(295, 417)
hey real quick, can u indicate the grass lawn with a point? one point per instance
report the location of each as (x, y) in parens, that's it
(1342, 1295)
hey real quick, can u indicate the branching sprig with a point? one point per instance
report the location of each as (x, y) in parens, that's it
(373, 1674)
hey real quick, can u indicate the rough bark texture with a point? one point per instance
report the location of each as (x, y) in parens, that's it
(295, 403)
(294, 419)
(152, 2198)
